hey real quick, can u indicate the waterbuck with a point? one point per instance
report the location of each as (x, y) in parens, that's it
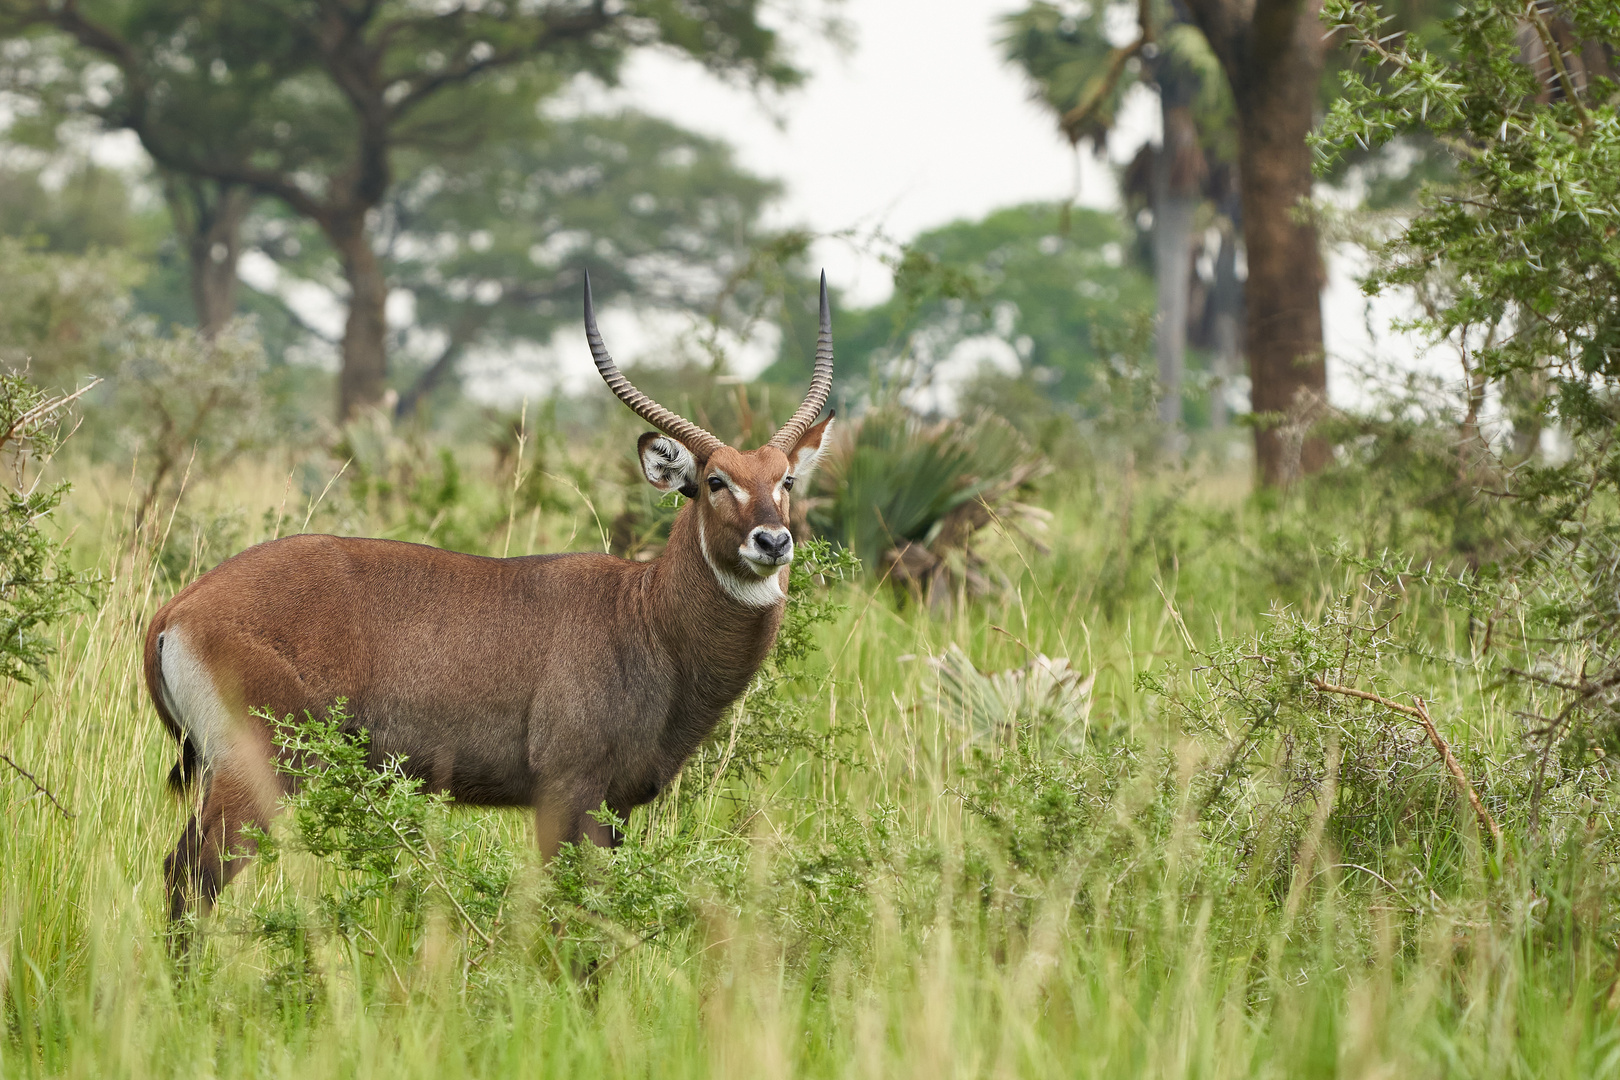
(557, 682)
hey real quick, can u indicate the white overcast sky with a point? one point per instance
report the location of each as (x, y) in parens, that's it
(917, 123)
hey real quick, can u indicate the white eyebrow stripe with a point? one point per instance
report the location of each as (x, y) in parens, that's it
(736, 491)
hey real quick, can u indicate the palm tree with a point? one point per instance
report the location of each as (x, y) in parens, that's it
(1082, 79)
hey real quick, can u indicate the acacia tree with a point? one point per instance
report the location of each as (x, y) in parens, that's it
(313, 103)
(208, 102)
(492, 249)
(489, 246)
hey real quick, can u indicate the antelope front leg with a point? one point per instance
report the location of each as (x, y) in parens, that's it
(562, 815)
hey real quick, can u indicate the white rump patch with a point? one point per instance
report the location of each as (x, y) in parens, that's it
(756, 593)
(193, 700)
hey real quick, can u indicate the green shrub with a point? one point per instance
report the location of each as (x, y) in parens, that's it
(390, 853)
(909, 498)
(37, 585)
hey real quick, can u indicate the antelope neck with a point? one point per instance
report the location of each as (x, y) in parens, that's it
(704, 599)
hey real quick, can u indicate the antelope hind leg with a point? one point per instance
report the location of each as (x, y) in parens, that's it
(212, 850)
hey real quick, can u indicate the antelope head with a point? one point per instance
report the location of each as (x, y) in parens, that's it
(739, 497)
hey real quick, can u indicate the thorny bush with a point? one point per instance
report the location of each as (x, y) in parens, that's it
(37, 585)
(1515, 266)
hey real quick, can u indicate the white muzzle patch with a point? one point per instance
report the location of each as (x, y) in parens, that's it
(764, 590)
(769, 548)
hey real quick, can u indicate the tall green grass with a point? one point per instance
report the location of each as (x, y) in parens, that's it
(922, 898)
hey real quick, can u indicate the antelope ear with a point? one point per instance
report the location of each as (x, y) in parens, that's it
(803, 458)
(668, 464)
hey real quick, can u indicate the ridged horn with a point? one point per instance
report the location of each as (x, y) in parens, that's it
(694, 438)
(820, 382)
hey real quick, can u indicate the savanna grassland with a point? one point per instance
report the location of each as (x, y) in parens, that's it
(1108, 733)
(1098, 819)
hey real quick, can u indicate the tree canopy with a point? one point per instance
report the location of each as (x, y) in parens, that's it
(319, 105)
(1044, 284)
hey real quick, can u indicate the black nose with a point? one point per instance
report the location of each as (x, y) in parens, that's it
(774, 544)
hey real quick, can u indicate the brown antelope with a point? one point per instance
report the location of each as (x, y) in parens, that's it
(557, 682)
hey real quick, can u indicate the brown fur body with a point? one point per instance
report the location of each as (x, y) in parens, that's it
(558, 682)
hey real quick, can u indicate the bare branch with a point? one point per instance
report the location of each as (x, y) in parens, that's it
(1420, 712)
(39, 787)
(557, 29)
(1076, 120)
(461, 335)
(43, 410)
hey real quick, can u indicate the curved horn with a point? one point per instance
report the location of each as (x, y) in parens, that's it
(820, 382)
(700, 442)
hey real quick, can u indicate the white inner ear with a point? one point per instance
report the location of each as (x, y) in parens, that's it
(668, 465)
(804, 459)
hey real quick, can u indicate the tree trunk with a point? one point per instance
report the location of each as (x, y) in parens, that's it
(1177, 179)
(363, 380)
(1172, 254)
(1272, 51)
(208, 218)
(1227, 299)
(1287, 372)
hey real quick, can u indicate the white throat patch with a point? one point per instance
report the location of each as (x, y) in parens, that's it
(761, 592)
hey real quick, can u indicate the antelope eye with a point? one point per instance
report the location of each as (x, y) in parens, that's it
(787, 483)
(715, 483)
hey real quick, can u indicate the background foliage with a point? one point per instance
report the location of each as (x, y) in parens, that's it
(1075, 756)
